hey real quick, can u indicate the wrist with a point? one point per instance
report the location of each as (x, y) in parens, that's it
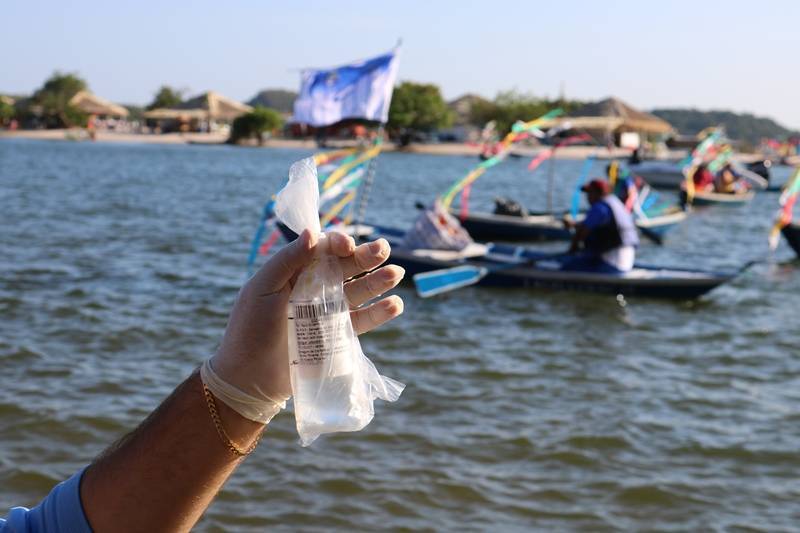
(237, 433)
(259, 408)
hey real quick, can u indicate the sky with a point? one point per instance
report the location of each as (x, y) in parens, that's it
(735, 55)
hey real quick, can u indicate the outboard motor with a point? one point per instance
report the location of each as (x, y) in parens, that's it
(509, 207)
(761, 168)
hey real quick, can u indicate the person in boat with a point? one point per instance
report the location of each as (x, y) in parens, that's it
(163, 475)
(703, 179)
(606, 240)
(728, 181)
(626, 184)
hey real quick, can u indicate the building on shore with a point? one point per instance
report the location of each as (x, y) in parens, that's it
(207, 112)
(612, 121)
(91, 104)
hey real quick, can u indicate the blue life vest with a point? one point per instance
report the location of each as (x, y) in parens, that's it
(620, 230)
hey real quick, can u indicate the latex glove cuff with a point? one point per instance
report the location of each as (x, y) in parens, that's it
(260, 410)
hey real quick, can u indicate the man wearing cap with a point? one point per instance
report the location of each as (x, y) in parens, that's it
(607, 233)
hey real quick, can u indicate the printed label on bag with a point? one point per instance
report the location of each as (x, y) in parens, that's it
(321, 332)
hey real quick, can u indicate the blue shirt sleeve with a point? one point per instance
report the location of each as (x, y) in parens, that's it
(597, 215)
(61, 511)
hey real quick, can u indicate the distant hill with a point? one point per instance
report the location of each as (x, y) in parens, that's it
(278, 99)
(738, 126)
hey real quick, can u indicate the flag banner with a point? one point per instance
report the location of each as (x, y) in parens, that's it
(358, 90)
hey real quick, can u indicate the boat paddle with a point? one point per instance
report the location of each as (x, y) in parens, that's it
(448, 279)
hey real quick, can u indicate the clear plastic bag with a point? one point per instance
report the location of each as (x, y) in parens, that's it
(333, 382)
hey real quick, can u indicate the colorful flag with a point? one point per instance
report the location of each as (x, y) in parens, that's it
(358, 90)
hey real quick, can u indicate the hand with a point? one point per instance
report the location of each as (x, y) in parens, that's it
(254, 355)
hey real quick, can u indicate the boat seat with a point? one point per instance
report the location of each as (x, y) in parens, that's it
(471, 250)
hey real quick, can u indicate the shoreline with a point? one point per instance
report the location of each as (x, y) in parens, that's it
(216, 139)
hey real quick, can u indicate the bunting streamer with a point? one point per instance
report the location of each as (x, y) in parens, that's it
(576, 194)
(518, 131)
(787, 201)
(545, 154)
(338, 188)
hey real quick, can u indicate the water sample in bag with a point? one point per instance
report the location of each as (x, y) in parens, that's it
(333, 383)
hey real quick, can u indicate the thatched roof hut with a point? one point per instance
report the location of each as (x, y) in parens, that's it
(207, 106)
(94, 105)
(615, 116)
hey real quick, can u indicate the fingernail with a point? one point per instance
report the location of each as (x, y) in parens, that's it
(394, 305)
(376, 246)
(397, 272)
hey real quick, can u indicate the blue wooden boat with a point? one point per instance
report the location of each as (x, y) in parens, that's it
(792, 235)
(539, 270)
(547, 227)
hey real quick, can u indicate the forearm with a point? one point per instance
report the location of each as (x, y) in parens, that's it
(163, 475)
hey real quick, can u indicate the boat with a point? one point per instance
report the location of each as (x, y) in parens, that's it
(548, 227)
(656, 227)
(661, 174)
(717, 198)
(498, 227)
(792, 234)
(517, 266)
(664, 174)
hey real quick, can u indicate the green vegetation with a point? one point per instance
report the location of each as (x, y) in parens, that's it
(278, 99)
(135, 112)
(53, 98)
(511, 106)
(255, 124)
(166, 97)
(739, 126)
(418, 107)
(7, 112)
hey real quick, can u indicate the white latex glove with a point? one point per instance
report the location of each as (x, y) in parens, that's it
(250, 371)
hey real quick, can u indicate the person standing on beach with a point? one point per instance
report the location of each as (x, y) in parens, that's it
(163, 475)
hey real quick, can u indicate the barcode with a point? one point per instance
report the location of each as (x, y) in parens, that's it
(318, 310)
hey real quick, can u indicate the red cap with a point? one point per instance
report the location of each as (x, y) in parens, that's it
(600, 186)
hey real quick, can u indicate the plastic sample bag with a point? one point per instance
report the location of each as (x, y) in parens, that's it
(333, 382)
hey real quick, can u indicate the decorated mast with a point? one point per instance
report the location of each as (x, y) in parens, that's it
(359, 90)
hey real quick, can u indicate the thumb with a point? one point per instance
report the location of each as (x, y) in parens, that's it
(282, 266)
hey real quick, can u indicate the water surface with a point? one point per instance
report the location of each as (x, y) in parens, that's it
(524, 409)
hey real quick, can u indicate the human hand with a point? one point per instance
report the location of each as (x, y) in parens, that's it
(253, 356)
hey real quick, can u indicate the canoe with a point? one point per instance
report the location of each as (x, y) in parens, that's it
(792, 234)
(716, 198)
(660, 174)
(546, 227)
(669, 174)
(643, 280)
(494, 227)
(655, 228)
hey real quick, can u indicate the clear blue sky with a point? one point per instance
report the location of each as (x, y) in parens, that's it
(739, 55)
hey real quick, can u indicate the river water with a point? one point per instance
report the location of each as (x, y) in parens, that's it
(524, 409)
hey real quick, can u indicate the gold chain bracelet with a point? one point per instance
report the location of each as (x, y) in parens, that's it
(226, 440)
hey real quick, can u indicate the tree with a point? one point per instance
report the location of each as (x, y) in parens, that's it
(7, 112)
(511, 106)
(254, 124)
(166, 97)
(418, 107)
(54, 97)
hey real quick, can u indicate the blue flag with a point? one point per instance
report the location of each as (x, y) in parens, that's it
(358, 90)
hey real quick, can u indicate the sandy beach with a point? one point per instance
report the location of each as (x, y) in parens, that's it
(568, 152)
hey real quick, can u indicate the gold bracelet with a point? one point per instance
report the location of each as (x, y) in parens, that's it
(226, 440)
